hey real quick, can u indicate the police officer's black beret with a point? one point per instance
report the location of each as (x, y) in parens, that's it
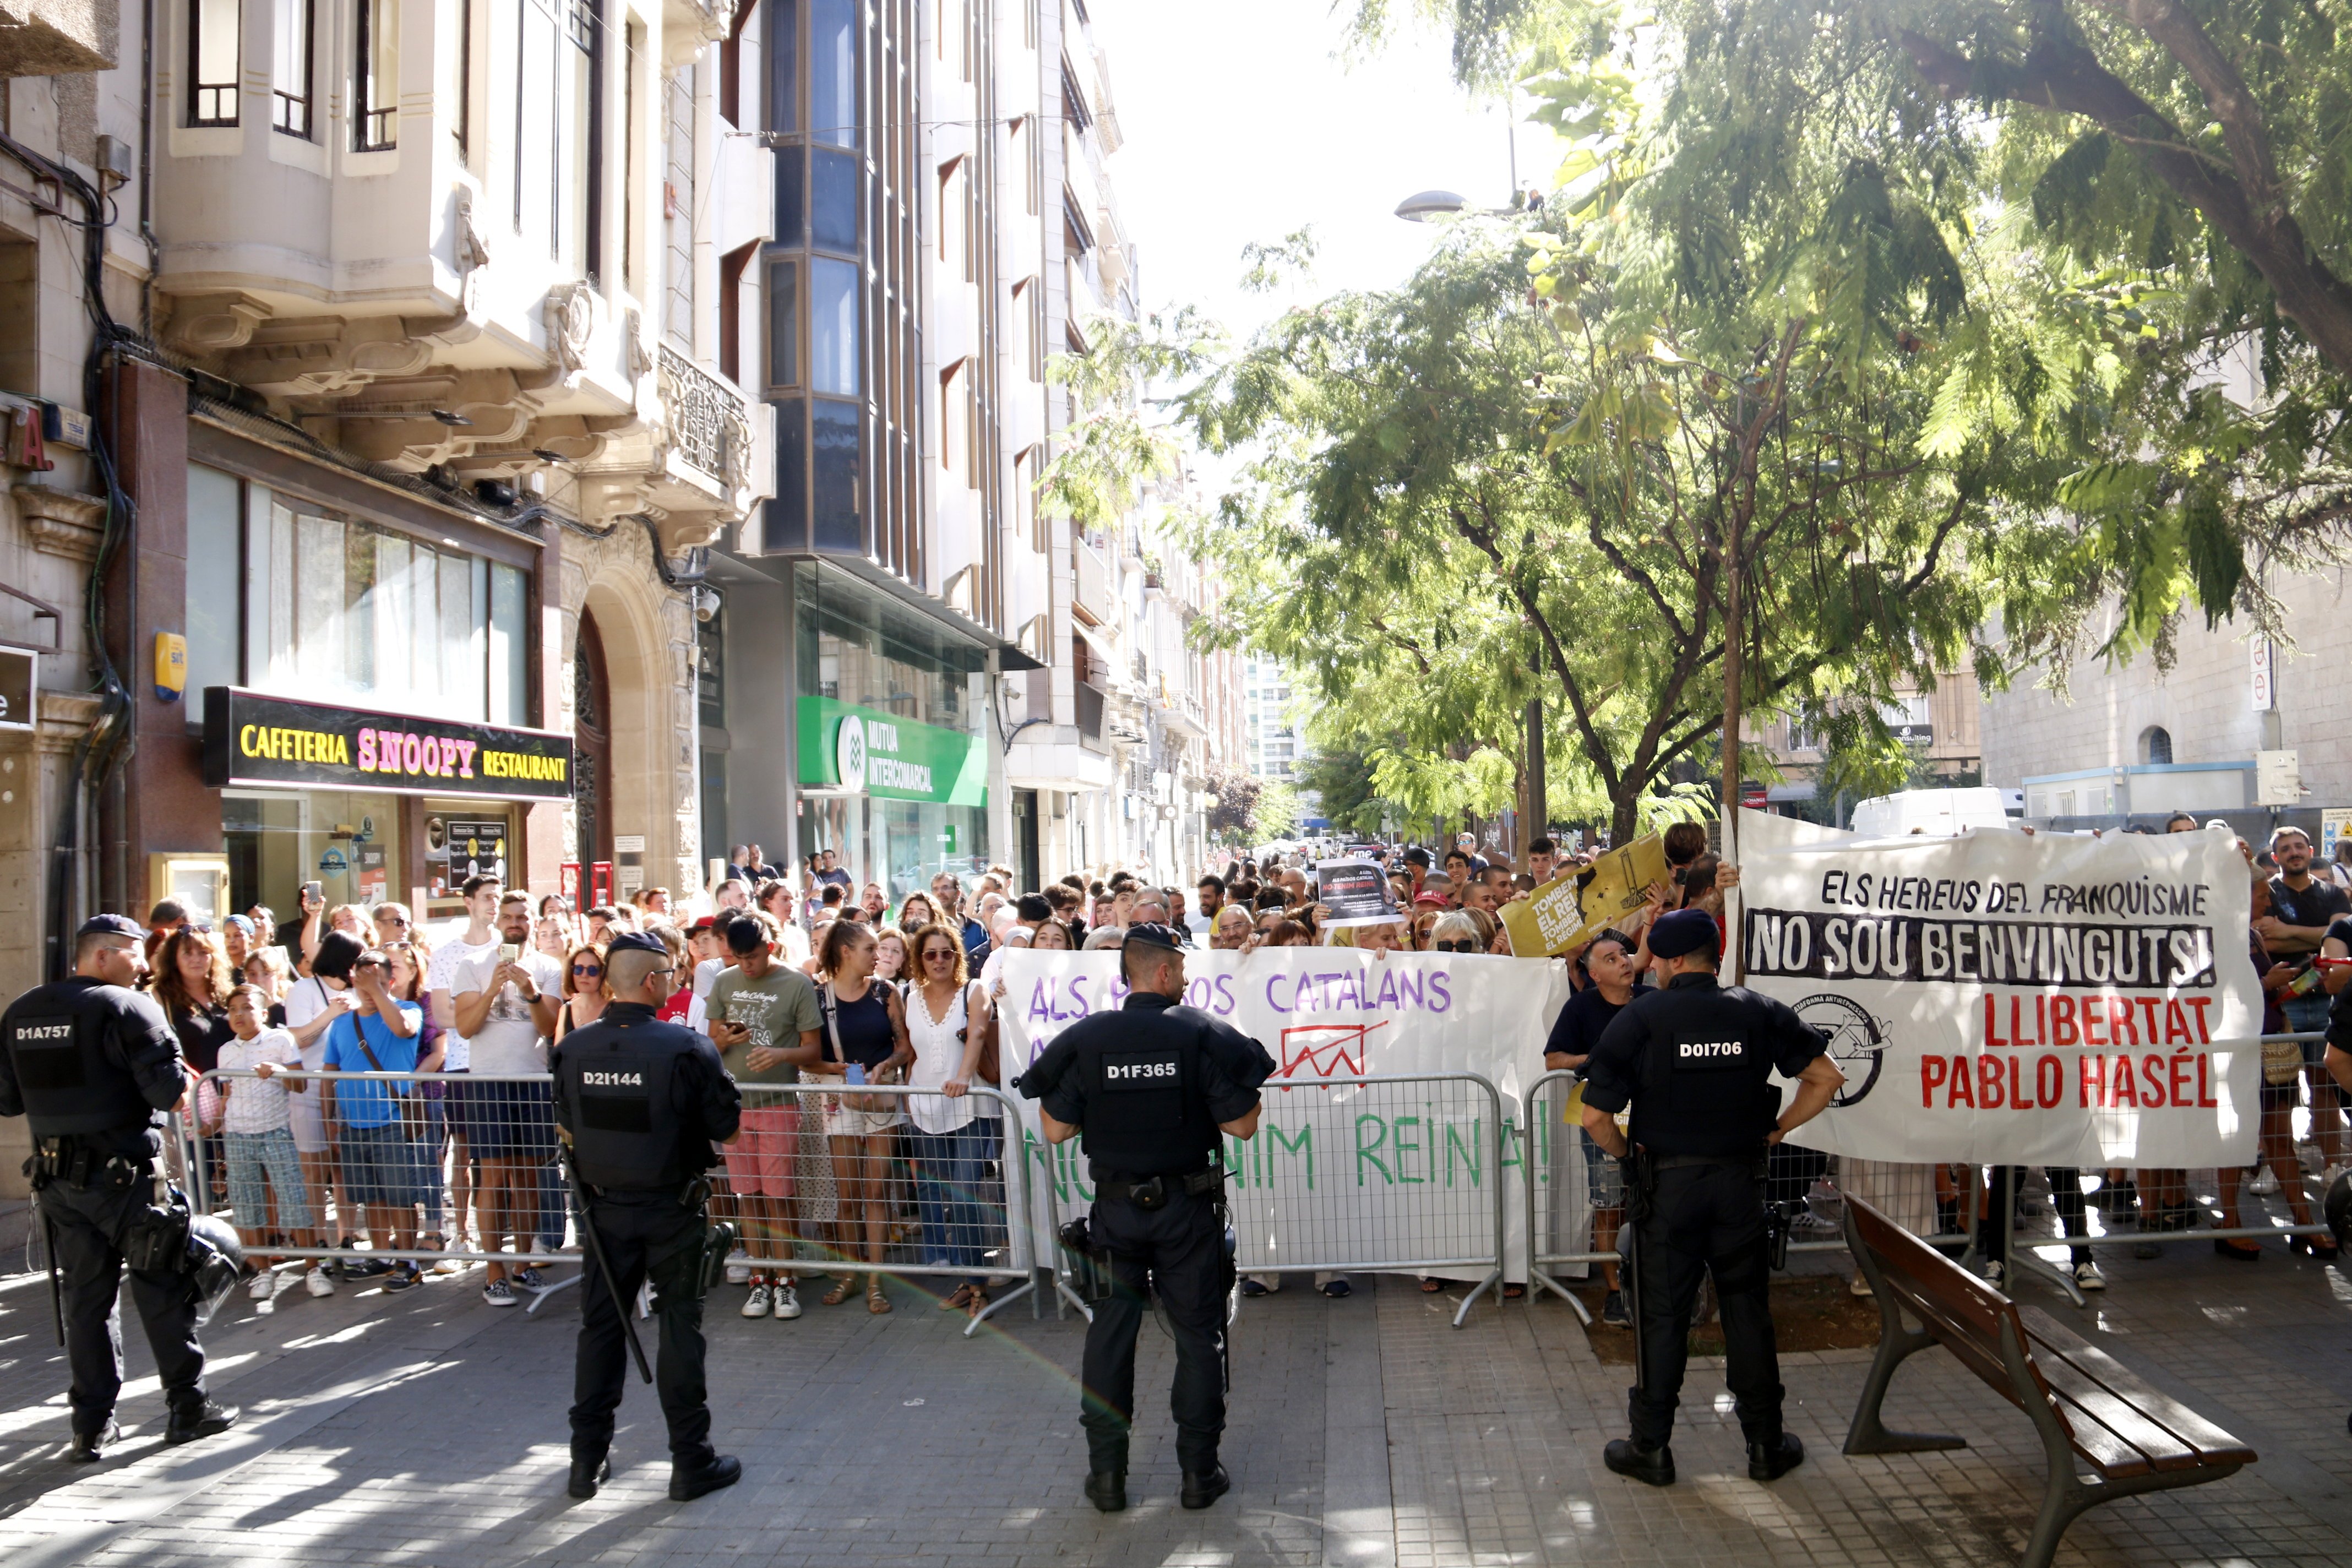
(109, 925)
(1685, 931)
(1151, 933)
(634, 942)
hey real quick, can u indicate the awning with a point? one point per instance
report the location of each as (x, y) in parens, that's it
(1095, 638)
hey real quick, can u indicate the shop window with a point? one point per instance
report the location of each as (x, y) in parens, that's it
(509, 646)
(212, 61)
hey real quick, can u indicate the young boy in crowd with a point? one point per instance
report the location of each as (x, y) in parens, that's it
(255, 1127)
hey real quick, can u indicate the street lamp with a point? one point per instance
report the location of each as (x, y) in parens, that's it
(1423, 205)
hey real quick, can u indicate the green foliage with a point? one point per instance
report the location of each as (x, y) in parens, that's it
(1113, 447)
(1341, 779)
(1278, 813)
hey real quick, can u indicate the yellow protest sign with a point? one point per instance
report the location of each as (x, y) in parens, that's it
(1546, 922)
(1570, 911)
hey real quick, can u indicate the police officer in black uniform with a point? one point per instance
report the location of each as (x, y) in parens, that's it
(640, 1102)
(1695, 1059)
(1150, 1087)
(94, 1066)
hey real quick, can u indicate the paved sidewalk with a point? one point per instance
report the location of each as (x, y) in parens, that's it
(429, 1430)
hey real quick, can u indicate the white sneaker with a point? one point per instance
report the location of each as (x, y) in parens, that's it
(739, 1267)
(2088, 1277)
(2263, 1186)
(755, 1305)
(260, 1289)
(788, 1301)
(1993, 1273)
(318, 1284)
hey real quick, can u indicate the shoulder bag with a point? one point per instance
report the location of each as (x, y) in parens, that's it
(872, 1104)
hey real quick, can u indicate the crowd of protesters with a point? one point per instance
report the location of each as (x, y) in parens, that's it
(818, 991)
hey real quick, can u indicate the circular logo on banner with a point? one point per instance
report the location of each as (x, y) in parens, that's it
(849, 751)
(1857, 1042)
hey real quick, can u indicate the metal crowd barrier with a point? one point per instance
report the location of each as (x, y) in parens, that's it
(873, 1193)
(1940, 1201)
(445, 1155)
(1416, 1187)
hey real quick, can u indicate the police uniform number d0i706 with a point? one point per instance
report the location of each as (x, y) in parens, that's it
(1151, 1089)
(94, 1066)
(1695, 1061)
(639, 1103)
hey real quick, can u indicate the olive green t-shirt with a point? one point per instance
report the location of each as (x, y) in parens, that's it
(776, 1008)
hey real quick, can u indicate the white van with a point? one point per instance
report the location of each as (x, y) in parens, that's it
(1937, 812)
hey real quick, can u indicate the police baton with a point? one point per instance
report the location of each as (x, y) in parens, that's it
(596, 1251)
(56, 1290)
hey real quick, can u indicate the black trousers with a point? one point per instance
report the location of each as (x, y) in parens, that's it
(88, 1225)
(1704, 1219)
(662, 1241)
(1178, 1249)
(2000, 1210)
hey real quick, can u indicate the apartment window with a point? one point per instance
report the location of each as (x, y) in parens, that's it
(833, 326)
(375, 87)
(952, 214)
(632, 45)
(1026, 516)
(586, 58)
(289, 68)
(1029, 305)
(1077, 235)
(954, 433)
(833, 201)
(782, 39)
(212, 61)
(833, 71)
(1074, 102)
(784, 323)
(460, 85)
(2156, 747)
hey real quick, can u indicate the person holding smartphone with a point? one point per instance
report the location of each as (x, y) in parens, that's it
(504, 1002)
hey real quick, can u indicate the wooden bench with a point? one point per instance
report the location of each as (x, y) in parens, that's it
(2090, 1410)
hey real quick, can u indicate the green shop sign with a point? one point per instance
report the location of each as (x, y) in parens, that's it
(889, 758)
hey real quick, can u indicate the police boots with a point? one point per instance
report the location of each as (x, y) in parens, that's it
(589, 1472)
(688, 1482)
(1202, 1488)
(1107, 1490)
(205, 1420)
(1655, 1466)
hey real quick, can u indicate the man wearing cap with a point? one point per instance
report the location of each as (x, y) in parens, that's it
(639, 1103)
(1695, 1061)
(1151, 1088)
(93, 1066)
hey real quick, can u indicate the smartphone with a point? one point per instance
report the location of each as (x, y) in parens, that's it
(314, 890)
(857, 1073)
(510, 952)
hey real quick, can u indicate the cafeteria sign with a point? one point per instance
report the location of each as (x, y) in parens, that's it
(862, 750)
(250, 738)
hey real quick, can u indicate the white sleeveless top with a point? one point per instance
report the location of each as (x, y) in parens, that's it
(939, 1056)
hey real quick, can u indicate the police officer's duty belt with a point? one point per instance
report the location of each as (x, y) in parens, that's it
(1677, 1162)
(1151, 1191)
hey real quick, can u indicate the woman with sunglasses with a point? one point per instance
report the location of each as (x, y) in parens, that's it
(1457, 932)
(947, 1018)
(865, 1041)
(583, 989)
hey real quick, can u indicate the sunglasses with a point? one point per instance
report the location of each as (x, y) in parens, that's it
(1457, 947)
(587, 969)
(939, 955)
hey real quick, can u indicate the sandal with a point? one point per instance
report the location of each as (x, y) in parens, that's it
(2323, 1247)
(1431, 1287)
(842, 1287)
(959, 1297)
(2239, 1250)
(977, 1304)
(876, 1303)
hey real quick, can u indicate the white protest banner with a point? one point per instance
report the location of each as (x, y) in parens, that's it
(1401, 1174)
(2016, 999)
(1354, 892)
